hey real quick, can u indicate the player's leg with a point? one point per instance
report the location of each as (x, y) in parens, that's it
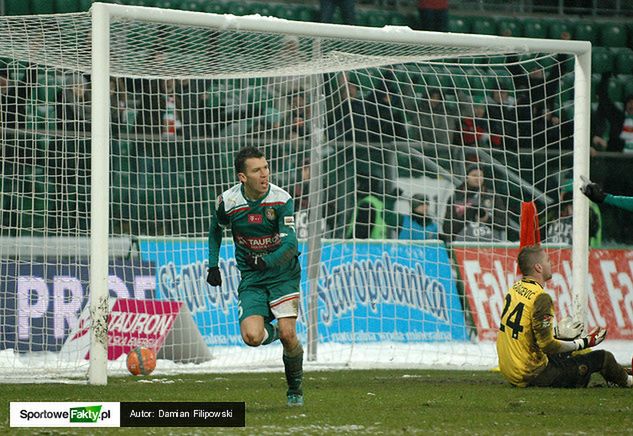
(569, 371)
(613, 372)
(255, 317)
(293, 360)
(285, 307)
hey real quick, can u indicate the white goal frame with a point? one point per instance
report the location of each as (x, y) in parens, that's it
(103, 13)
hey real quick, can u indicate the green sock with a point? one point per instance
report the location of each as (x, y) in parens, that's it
(293, 366)
(273, 333)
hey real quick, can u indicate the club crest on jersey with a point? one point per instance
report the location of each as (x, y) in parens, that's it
(254, 218)
(270, 213)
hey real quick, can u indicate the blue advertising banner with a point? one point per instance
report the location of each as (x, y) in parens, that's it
(41, 300)
(367, 292)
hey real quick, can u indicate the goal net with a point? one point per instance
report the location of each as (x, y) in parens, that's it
(408, 155)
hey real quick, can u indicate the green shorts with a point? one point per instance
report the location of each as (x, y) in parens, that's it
(280, 300)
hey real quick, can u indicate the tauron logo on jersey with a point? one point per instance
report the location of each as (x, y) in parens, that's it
(289, 221)
(255, 218)
(262, 243)
(270, 214)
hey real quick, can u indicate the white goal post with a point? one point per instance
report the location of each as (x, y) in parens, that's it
(383, 299)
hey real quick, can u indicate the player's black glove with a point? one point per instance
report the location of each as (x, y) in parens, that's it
(213, 276)
(255, 262)
(593, 191)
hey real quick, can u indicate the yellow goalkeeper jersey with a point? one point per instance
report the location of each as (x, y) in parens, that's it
(526, 332)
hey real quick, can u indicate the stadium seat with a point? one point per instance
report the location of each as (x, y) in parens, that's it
(43, 7)
(47, 86)
(627, 86)
(396, 19)
(586, 31)
(560, 29)
(214, 7)
(601, 60)
(166, 4)
(192, 5)
(613, 35)
(615, 89)
(534, 28)
(458, 25)
(17, 7)
(484, 26)
(623, 60)
(567, 88)
(66, 6)
(85, 5)
(509, 27)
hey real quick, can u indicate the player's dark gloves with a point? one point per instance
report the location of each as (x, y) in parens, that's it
(593, 191)
(213, 276)
(255, 262)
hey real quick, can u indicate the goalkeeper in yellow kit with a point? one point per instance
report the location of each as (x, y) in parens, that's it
(529, 352)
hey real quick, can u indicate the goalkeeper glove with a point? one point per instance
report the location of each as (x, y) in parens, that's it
(255, 262)
(592, 190)
(568, 329)
(592, 339)
(213, 276)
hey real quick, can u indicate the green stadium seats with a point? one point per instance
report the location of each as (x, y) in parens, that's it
(214, 7)
(509, 27)
(560, 29)
(623, 60)
(458, 25)
(613, 35)
(627, 85)
(396, 19)
(67, 6)
(43, 7)
(595, 81)
(586, 31)
(534, 28)
(484, 26)
(17, 7)
(615, 89)
(192, 5)
(85, 5)
(567, 88)
(602, 60)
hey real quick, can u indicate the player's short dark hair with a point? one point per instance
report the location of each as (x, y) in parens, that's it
(243, 154)
(528, 257)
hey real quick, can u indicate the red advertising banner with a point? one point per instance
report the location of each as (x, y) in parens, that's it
(131, 323)
(488, 273)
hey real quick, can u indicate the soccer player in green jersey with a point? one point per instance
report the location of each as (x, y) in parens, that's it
(529, 352)
(261, 218)
(595, 193)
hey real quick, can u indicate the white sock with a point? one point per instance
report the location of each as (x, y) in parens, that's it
(629, 381)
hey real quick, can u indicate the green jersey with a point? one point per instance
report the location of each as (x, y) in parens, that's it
(263, 227)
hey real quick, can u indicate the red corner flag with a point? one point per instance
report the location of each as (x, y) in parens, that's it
(530, 234)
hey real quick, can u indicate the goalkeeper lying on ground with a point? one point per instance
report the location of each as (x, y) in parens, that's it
(530, 354)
